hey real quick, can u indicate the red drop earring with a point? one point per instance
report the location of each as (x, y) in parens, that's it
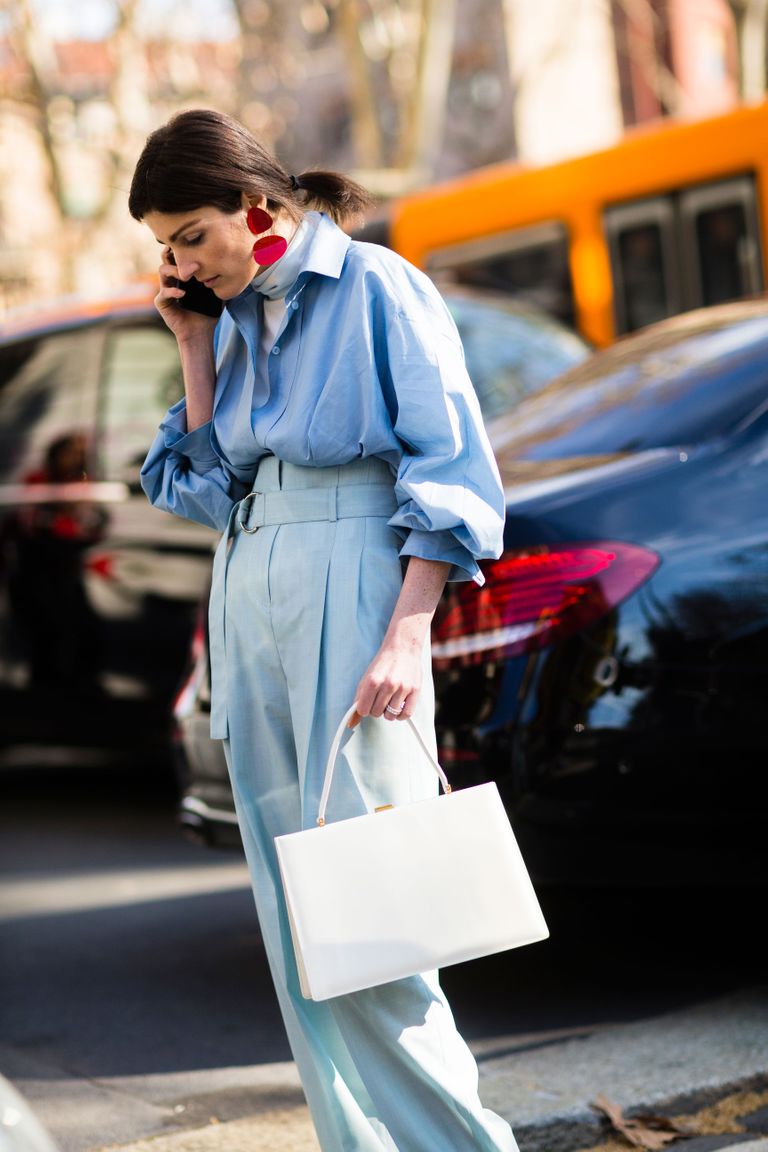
(267, 249)
(258, 221)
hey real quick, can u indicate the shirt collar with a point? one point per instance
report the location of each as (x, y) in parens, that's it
(327, 251)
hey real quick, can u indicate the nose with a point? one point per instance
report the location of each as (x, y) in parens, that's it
(187, 268)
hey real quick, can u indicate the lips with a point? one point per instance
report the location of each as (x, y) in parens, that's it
(210, 281)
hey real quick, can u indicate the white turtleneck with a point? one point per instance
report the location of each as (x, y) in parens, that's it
(274, 310)
(272, 285)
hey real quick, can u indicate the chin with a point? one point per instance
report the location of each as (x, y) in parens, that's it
(229, 293)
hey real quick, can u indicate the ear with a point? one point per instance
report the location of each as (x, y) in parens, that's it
(247, 201)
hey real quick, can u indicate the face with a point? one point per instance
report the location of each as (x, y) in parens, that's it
(212, 245)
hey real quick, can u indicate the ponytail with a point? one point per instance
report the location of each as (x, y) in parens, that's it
(333, 193)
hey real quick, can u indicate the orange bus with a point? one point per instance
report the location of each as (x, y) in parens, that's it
(673, 217)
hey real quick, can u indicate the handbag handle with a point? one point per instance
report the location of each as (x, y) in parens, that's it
(335, 751)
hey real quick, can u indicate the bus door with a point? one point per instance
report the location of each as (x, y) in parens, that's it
(642, 242)
(721, 240)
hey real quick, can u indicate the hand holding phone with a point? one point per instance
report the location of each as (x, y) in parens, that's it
(197, 298)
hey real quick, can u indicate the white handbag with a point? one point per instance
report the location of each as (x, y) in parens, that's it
(404, 890)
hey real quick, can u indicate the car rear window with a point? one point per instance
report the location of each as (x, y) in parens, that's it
(655, 390)
(141, 379)
(511, 351)
(48, 388)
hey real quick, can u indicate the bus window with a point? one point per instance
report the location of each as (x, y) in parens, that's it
(641, 239)
(645, 296)
(530, 265)
(721, 252)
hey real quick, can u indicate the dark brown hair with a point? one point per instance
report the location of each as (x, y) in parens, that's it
(202, 157)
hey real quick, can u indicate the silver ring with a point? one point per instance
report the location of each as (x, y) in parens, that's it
(393, 711)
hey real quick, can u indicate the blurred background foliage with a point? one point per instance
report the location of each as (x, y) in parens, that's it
(398, 92)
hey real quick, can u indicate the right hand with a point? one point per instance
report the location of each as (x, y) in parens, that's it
(184, 324)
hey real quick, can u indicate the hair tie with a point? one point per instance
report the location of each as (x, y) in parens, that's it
(294, 184)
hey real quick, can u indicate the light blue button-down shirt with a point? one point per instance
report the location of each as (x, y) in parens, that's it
(367, 362)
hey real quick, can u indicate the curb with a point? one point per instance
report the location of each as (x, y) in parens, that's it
(739, 1110)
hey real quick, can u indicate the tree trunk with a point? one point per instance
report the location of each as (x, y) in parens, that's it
(366, 129)
(752, 48)
(423, 122)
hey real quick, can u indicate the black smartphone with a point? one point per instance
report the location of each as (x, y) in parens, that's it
(197, 298)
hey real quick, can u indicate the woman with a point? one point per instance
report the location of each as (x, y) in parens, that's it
(330, 431)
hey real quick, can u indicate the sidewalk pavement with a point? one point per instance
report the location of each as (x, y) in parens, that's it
(705, 1069)
(706, 1066)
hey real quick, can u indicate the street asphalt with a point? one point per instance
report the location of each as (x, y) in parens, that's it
(696, 1077)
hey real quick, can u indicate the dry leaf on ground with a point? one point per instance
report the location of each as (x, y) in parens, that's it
(643, 1131)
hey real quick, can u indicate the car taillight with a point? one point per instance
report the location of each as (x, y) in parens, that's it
(534, 596)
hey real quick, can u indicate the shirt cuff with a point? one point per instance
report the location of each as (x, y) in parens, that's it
(195, 445)
(444, 546)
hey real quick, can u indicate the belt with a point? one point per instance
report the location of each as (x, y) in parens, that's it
(299, 505)
(260, 510)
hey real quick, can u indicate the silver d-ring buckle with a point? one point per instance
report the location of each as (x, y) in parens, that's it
(242, 519)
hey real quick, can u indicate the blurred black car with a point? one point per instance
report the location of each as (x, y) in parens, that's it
(612, 673)
(98, 590)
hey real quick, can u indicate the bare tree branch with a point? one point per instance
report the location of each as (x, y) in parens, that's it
(37, 52)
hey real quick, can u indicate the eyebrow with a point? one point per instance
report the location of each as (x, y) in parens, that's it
(178, 232)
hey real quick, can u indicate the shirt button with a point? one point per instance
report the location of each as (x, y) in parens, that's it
(276, 350)
(294, 304)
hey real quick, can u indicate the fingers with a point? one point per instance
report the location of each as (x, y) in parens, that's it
(169, 273)
(390, 685)
(168, 297)
(397, 704)
(395, 708)
(170, 293)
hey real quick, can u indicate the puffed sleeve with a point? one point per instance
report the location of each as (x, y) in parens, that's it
(448, 486)
(184, 474)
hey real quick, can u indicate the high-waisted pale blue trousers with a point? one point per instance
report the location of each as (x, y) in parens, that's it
(298, 610)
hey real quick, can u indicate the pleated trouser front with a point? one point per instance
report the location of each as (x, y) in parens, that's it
(305, 608)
